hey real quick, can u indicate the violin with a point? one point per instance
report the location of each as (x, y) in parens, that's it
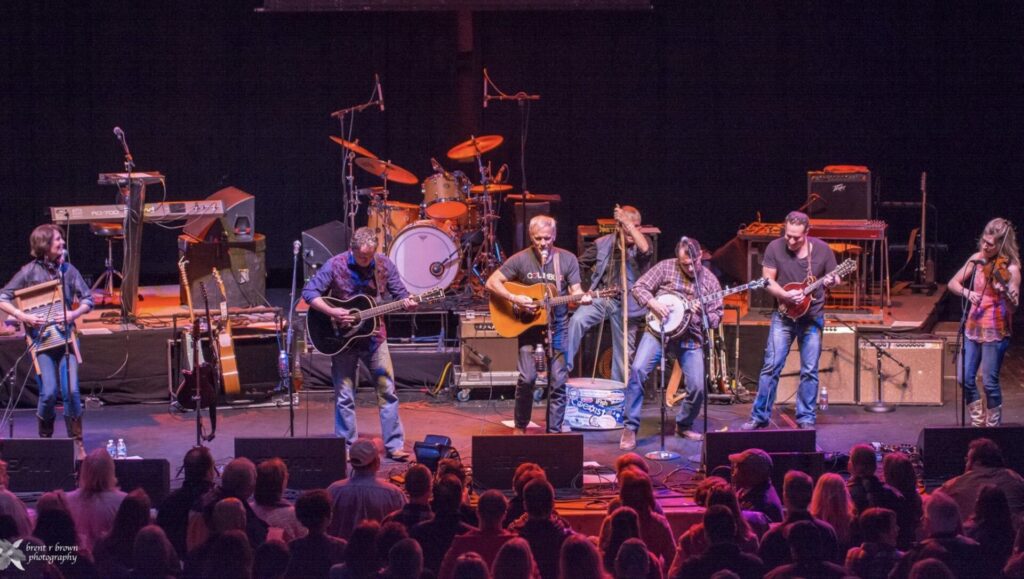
(997, 271)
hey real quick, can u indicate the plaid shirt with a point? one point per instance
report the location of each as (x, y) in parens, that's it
(667, 277)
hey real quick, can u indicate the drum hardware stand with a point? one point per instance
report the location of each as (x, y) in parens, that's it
(350, 201)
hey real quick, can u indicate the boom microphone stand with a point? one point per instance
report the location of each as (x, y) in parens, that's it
(698, 285)
(284, 362)
(350, 199)
(662, 454)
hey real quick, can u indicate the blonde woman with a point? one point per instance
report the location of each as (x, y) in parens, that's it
(831, 503)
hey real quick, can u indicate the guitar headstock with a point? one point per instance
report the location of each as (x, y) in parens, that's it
(181, 271)
(759, 283)
(220, 283)
(434, 295)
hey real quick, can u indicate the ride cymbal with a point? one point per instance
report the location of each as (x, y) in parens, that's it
(353, 146)
(387, 170)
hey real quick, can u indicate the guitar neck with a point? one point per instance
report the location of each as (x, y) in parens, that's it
(563, 300)
(728, 292)
(383, 309)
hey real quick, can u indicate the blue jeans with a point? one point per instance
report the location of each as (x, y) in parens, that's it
(343, 371)
(57, 371)
(586, 317)
(648, 354)
(558, 375)
(807, 331)
(989, 357)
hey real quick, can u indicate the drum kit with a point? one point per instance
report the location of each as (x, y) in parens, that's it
(450, 237)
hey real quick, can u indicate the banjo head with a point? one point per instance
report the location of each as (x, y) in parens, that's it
(675, 319)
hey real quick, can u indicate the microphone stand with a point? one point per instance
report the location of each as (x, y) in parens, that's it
(961, 339)
(285, 365)
(662, 454)
(698, 269)
(350, 200)
(879, 405)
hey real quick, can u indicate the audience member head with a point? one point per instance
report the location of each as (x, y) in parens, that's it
(233, 559)
(930, 568)
(719, 525)
(513, 561)
(724, 574)
(637, 492)
(984, 452)
(579, 559)
(525, 473)
(539, 499)
(751, 468)
(364, 456)
(491, 509)
(97, 473)
(724, 495)
(132, 515)
(239, 478)
(271, 560)
(419, 483)
(361, 553)
(878, 525)
(941, 515)
(55, 527)
(54, 500)
(452, 466)
(470, 566)
(405, 559)
(153, 555)
(805, 544)
(198, 466)
(633, 561)
(831, 502)
(863, 461)
(313, 510)
(992, 509)
(797, 489)
(630, 460)
(389, 536)
(271, 480)
(447, 495)
(898, 471)
(8, 528)
(624, 524)
(228, 515)
(700, 494)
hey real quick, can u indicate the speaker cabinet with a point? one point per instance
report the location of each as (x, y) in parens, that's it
(313, 463)
(944, 449)
(152, 475)
(495, 458)
(321, 243)
(836, 368)
(920, 384)
(39, 464)
(256, 355)
(483, 350)
(839, 195)
(237, 224)
(242, 266)
(721, 444)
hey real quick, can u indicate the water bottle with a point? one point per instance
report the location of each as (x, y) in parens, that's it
(823, 399)
(122, 449)
(111, 449)
(538, 358)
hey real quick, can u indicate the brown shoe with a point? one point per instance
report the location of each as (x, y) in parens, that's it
(628, 440)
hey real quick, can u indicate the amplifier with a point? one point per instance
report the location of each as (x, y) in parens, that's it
(836, 368)
(920, 384)
(839, 195)
(483, 350)
(241, 264)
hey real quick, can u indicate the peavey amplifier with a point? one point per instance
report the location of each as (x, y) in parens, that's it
(839, 193)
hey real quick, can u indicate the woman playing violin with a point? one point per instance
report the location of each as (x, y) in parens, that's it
(990, 285)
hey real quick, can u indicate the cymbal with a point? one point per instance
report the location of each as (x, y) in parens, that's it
(384, 169)
(353, 146)
(467, 150)
(492, 188)
(534, 197)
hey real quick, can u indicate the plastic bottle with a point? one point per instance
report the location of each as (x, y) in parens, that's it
(111, 449)
(122, 449)
(538, 358)
(823, 399)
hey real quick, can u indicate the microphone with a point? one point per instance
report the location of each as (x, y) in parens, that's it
(437, 166)
(980, 261)
(500, 177)
(119, 134)
(924, 178)
(543, 256)
(380, 92)
(484, 358)
(296, 246)
(436, 269)
(124, 145)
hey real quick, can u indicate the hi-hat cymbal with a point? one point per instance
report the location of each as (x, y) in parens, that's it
(468, 150)
(353, 146)
(492, 188)
(386, 170)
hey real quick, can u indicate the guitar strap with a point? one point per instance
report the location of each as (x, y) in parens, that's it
(558, 271)
(810, 272)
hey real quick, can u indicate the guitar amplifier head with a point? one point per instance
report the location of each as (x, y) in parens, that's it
(476, 325)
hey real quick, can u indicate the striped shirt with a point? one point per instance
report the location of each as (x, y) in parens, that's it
(667, 277)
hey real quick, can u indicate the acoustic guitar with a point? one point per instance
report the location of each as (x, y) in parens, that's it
(511, 319)
(330, 337)
(226, 345)
(797, 311)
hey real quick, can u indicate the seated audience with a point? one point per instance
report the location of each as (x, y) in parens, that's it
(389, 536)
(898, 471)
(237, 482)
(362, 497)
(233, 558)
(831, 503)
(634, 561)
(523, 474)
(992, 527)
(515, 561)
(985, 466)
(722, 552)
(113, 553)
(866, 490)
(931, 569)
(752, 479)
(55, 529)
(94, 503)
(877, 555)
(227, 515)
(486, 541)
(436, 535)
(579, 559)
(776, 546)
(1014, 568)
(623, 525)
(809, 554)
(419, 485)
(267, 502)
(153, 555)
(637, 493)
(173, 514)
(12, 505)
(454, 467)
(540, 529)
(361, 560)
(271, 560)
(405, 561)
(694, 541)
(627, 461)
(943, 541)
(314, 554)
(470, 566)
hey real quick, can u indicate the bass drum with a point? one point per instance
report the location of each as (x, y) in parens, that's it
(426, 256)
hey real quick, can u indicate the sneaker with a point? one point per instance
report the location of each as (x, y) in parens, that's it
(753, 425)
(628, 440)
(805, 425)
(399, 455)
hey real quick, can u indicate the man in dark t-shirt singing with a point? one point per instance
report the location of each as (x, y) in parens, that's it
(542, 262)
(793, 258)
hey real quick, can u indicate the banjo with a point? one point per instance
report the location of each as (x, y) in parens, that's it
(680, 309)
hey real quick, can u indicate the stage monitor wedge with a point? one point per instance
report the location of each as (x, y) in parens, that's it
(313, 463)
(39, 464)
(495, 458)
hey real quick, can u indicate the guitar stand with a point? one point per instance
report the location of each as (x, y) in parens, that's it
(662, 454)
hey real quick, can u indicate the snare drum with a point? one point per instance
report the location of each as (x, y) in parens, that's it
(426, 256)
(391, 219)
(595, 404)
(443, 197)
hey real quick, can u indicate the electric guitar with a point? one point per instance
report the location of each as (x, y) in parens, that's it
(193, 356)
(680, 309)
(330, 337)
(226, 345)
(511, 319)
(797, 311)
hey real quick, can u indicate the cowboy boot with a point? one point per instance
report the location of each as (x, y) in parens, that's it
(74, 426)
(977, 413)
(994, 416)
(45, 427)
